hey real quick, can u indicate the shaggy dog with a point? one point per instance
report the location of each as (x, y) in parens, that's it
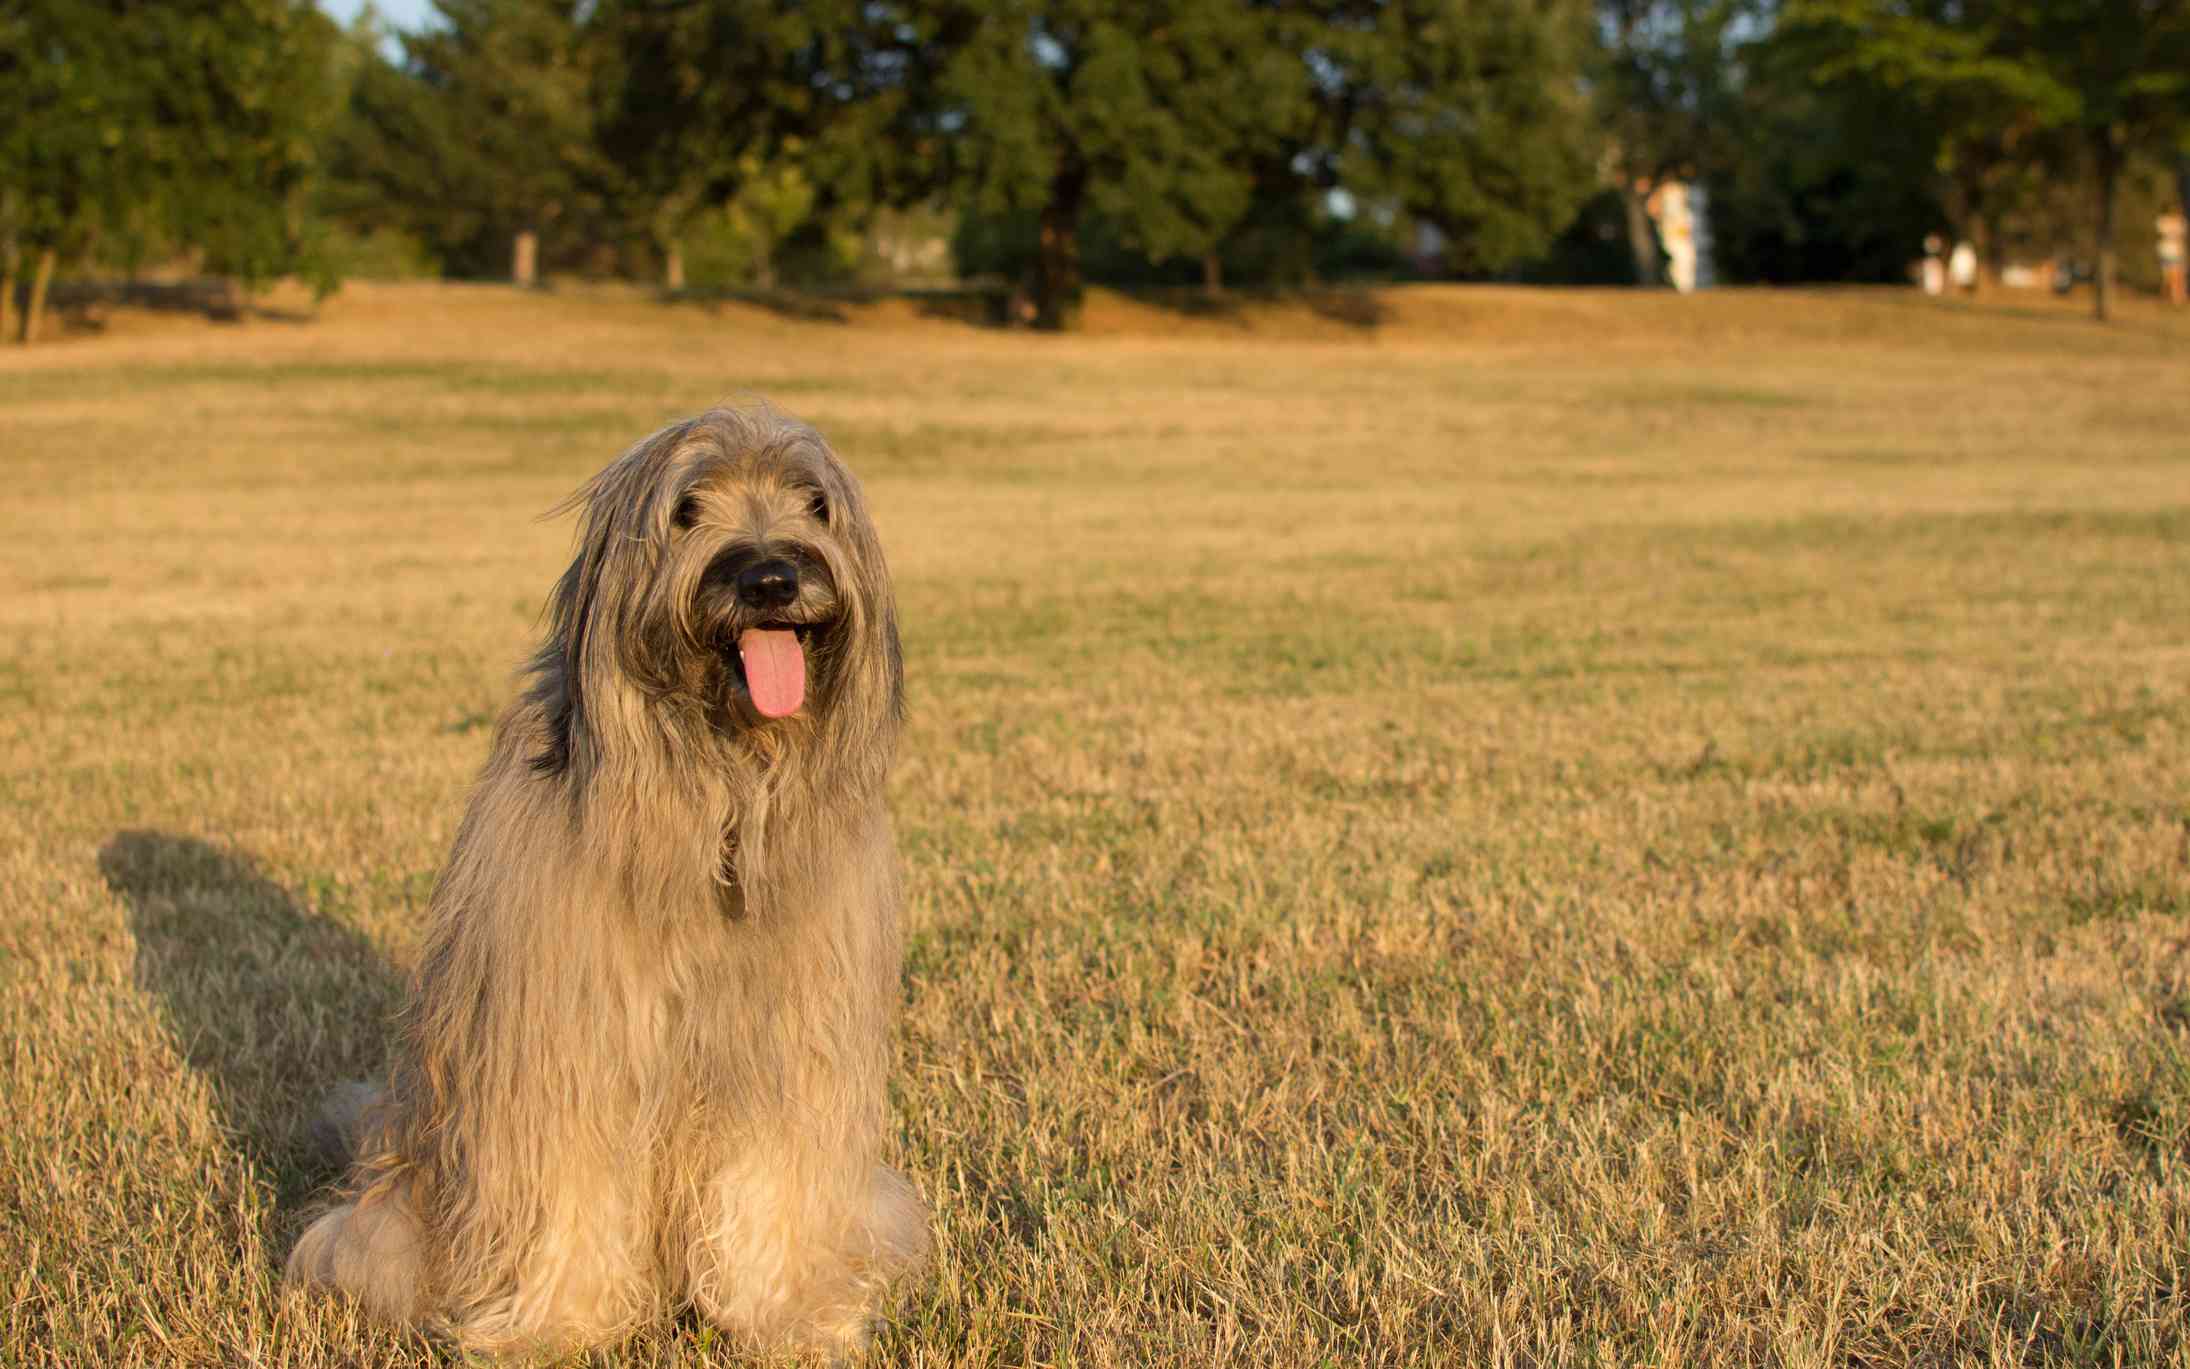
(643, 1063)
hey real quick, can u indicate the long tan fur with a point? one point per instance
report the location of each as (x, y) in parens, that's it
(643, 1064)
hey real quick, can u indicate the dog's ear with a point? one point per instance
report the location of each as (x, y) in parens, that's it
(625, 513)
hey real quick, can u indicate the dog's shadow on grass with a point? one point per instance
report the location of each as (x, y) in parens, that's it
(271, 1001)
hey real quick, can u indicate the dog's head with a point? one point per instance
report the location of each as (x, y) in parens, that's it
(727, 571)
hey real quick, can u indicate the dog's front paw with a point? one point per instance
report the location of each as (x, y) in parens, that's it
(368, 1249)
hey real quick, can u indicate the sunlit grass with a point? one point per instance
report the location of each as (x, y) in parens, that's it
(1560, 828)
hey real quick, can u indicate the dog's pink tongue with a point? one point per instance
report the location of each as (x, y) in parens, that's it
(775, 669)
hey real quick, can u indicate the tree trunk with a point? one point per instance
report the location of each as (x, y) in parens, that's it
(1992, 252)
(2177, 286)
(2110, 174)
(226, 302)
(1642, 238)
(1980, 242)
(34, 314)
(524, 267)
(10, 255)
(1212, 273)
(1057, 272)
(673, 268)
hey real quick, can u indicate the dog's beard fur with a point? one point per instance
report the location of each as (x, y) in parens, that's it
(643, 1064)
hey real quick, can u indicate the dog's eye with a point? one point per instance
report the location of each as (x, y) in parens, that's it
(688, 511)
(818, 506)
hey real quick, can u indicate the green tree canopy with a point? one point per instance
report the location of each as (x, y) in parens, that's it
(2073, 84)
(1827, 180)
(1173, 120)
(1666, 81)
(1151, 114)
(128, 129)
(487, 128)
(1468, 116)
(707, 102)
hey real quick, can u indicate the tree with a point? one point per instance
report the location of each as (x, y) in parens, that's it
(138, 128)
(1148, 113)
(2056, 83)
(1182, 124)
(1823, 179)
(1467, 116)
(67, 108)
(484, 132)
(2125, 68)
(1667, 97)
(242, 104)
(755, 108)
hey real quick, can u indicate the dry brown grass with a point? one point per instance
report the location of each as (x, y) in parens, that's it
(1561, 828)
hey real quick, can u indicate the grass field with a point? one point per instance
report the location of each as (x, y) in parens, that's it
(1471, 827)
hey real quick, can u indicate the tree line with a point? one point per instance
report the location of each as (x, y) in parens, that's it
(1209, 142)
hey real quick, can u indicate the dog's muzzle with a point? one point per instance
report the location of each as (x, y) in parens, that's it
(768, 600)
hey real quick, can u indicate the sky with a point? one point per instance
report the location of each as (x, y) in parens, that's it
(403, 14)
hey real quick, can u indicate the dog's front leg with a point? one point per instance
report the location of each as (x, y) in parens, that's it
(550, 1251)
(580, 1276)
(798, 1248)
(798, 1225)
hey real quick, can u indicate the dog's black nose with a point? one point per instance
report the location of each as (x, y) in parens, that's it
(768, 584)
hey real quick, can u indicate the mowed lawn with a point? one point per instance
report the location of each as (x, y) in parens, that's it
(1462, 827)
